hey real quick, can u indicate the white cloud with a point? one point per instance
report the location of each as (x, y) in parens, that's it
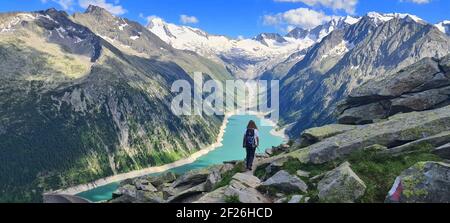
(65, 4)
(346, 5)
(114, 8)
(417, 1)
(301, 17)
(150, 18)
(185, 19)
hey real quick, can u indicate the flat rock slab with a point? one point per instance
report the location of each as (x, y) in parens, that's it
(247, 179)
(318, 134)
(193, 177)
(435, 141)
(216, 196)
(398, 129)
(244, 193)
(285, 182)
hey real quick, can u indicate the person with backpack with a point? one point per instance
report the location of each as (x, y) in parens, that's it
(250, 143)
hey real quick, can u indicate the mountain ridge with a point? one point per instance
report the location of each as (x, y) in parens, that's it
(79, 107)
(347, 58)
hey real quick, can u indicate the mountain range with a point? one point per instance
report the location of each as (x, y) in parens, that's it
(87, 95)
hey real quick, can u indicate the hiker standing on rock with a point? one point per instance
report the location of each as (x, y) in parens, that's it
(250, 143)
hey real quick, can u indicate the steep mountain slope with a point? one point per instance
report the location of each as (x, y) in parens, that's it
(444, 27)
(278, 71)
(76, 108)
(375, 47)
(245, 58)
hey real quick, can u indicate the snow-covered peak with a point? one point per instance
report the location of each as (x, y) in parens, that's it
(298, 33)
(337, 23)
(444, 26)
(258, 53)
(270, 39)
(156, 21)
(379, 18)
(350, 20)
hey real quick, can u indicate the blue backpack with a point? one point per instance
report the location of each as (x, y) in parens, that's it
(250, 141)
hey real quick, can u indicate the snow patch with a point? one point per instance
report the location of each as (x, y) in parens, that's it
(381, 18)
(444, 27)
(122, 26)
(135, 37)
(60, 31)
(340, 49)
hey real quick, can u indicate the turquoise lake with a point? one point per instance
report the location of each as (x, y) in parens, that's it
(231, 150)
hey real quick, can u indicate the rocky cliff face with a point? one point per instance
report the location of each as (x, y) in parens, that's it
(345, 59)
(84, 102)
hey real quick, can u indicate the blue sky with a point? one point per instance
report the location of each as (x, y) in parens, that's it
(243, 17)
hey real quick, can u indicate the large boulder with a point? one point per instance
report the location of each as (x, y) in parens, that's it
(425, 182)
(284, 182)
(341, 185)
(396, 131)
(159, 180)
(314, 135)
(216, 196)
(243, 186)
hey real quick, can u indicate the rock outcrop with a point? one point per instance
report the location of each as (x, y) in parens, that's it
(425, 182)
(396, 131)
(434, 141)
(422, 86)
(170, 188)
